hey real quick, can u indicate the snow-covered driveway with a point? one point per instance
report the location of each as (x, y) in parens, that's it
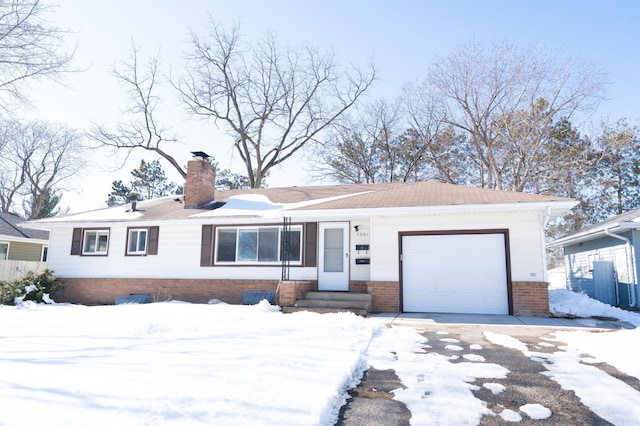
(492, 375)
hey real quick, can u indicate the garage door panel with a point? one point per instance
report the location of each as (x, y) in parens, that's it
(461, 273)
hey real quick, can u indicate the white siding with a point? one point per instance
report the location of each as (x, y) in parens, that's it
(525, 241)
(179, 249)
(178, 257)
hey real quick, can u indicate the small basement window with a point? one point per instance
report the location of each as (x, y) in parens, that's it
(96, 242)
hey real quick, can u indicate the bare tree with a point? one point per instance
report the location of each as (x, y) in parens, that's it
(272, 100)
(507, 101)
(30, 48)
(140, 128)
(368, 148)
(439, 146)
(38, 159)
(12, 171)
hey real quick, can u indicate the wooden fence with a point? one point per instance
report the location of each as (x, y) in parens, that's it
(12, 269)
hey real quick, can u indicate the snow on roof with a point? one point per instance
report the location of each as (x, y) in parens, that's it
(245, 205)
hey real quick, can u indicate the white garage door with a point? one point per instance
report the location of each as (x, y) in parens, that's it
(462, 273)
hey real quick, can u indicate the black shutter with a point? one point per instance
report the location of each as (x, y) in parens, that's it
(206, 248)
(310, 243)
(153, 240)
(76, 241)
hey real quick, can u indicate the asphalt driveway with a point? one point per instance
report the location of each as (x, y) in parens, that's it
(373, 403)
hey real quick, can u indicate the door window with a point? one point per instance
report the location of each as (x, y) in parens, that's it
(333, 250)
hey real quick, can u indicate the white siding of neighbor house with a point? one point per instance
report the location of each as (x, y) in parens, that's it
(525, 240)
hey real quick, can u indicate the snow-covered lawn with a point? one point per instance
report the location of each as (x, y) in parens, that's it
(185, 364)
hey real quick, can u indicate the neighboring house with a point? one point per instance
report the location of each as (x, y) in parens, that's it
(602, 260)
(21, 250)
(415, 247)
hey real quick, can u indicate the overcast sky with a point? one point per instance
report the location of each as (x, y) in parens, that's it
(403, 37)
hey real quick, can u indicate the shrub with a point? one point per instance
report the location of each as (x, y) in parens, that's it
(32, 286)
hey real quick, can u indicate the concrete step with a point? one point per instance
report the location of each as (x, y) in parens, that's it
(334, 303)
(291, 309)
(338, 295)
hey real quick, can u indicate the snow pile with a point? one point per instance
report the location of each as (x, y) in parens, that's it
(569, 303)
(176, 363)
(536, 411)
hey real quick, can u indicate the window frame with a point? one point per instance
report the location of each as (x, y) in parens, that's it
(256, 228)
(146, 241)
(97, 231)
(8, 244)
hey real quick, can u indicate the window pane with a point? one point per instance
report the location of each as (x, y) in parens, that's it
(90, 241)
(247, 245)
(4, 250)
(137, 241)
(133, 241)
(226, 245)
(103, 239)
(142, 241)
(294, 246)
(333, 250)
(95, 242)
(268, 245)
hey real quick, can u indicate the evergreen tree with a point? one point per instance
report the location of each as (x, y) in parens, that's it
(149, 181)
(121, 194)
(615, 171)
(47, 207)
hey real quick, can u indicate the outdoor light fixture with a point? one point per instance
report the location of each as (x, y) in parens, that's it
(355, 228)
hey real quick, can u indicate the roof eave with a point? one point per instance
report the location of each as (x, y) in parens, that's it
(594, 233)
(10, 238)
(557, 209)
(553, 208)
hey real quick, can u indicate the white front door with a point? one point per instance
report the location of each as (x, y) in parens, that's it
(333, 270)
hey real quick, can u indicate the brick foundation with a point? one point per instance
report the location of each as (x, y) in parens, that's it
(290, 291)
(385, 295)
(530, 298)
(103, 291)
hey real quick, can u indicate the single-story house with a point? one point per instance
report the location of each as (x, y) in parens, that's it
(602, 260)
(21, 250)
(414, 247)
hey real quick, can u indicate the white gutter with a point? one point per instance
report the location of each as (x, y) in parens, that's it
(591, 234)
(630, 266)
(562, 206)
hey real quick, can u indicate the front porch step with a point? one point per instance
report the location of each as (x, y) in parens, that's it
(291, 309)
(338, 295)
(331, 302)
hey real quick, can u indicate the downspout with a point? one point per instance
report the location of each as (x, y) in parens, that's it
(630, 266)
(545, 222)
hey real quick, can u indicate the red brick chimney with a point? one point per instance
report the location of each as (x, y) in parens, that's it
(200, 187)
